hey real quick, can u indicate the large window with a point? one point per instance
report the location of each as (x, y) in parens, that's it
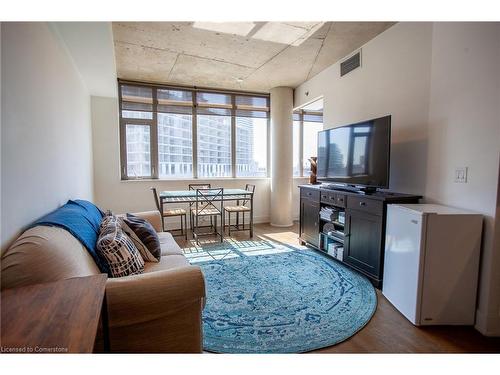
(251, 147)
(138, 150)
(251, 139)
(170, 132)
(306, 125)
(175, 146)
(214, 146)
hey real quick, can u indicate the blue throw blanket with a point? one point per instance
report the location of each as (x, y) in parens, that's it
(82, 219)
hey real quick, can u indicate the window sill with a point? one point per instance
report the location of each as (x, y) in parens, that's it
(195, 179)
(205, 179)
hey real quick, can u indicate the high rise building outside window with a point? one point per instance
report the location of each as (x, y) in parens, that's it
(170, 133)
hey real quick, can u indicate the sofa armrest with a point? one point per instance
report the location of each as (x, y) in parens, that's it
(153, 217)
(156, 312)
(138, 298)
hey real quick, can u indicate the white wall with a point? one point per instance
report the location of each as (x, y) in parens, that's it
(441, 84)
(129, 196)
(464, 131)
(90, 45)
(46, 129)
(394, 79)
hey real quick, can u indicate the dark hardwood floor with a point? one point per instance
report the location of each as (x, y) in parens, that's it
(388, 331)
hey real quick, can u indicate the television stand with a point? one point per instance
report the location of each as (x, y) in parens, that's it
(367, 190)
(355, 230)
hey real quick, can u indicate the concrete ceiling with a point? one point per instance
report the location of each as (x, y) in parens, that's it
(235, 55)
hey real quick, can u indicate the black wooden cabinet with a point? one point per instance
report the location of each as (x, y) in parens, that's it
(363, 242)
(364, 228)
(309, 223)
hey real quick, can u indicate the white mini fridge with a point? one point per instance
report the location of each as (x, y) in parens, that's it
(431, 263)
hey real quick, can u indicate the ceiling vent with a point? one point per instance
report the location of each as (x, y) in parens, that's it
(350, 64)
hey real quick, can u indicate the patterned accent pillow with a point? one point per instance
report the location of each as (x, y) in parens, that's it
(146, 233)
(145, 253)
(118, 249)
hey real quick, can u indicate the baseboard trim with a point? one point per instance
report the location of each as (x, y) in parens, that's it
(281, 225)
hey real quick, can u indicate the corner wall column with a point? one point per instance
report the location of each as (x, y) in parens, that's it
(281, 156)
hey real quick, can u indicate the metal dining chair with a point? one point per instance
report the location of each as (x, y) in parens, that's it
(240, 208)
(208, 203)
(171, 213)
(194, 187)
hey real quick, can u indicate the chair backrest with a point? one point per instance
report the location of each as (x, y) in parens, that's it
(199, 186)
(212, 198)
(248, 187)
(157, 199)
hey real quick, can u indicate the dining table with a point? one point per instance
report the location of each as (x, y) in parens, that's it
(189, 197)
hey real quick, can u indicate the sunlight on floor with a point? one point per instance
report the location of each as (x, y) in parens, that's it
(232, 248)
(283, 237)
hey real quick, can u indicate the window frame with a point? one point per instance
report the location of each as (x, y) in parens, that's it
(301, 114)
(141, 122)
(153, 123)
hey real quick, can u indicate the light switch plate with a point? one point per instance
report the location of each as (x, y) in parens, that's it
(461, 175)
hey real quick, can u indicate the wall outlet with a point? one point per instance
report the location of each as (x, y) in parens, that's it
(461, 175)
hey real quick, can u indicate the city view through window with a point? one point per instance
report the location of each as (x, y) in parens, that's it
(172, 123)
(306, 126)
(159, 135)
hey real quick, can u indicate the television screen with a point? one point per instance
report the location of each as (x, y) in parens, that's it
(356, 154)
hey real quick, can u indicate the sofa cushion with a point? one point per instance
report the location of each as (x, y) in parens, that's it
(118, 249)
(166, 263)
(168, 244)
(146, 233)
(44, 254)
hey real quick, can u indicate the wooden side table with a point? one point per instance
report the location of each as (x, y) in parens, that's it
(56, 317)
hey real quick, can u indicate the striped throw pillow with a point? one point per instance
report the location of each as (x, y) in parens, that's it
(118, 249)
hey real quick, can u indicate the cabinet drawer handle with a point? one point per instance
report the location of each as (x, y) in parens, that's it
(309, 193)
(362, 203)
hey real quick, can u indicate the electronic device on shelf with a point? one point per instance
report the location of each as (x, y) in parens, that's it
(356, 157)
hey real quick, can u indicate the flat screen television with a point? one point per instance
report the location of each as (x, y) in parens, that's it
(356, 154)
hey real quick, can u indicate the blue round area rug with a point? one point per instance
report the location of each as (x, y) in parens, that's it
(283, 301)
